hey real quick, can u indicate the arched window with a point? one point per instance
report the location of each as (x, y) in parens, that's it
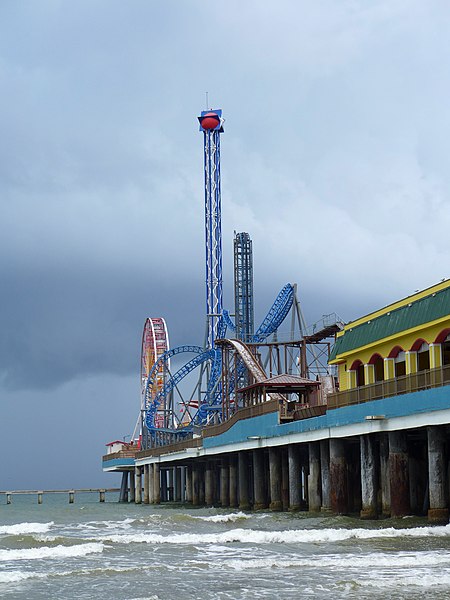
(358, 366)
(378, 367)
(444, 339)
(398, 354)
(423, 354)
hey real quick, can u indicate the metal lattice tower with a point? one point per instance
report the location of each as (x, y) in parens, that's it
(211, 124)
(243, 286)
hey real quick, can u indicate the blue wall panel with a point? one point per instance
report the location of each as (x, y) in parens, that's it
(266, 426)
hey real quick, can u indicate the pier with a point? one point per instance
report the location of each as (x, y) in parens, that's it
(377, 447)
(343, 418)
(70, 493)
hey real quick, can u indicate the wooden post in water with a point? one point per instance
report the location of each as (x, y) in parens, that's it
(39, 497)
(146, 484)
(138, 480)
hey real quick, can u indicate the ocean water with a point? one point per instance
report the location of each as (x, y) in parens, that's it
(125, 552)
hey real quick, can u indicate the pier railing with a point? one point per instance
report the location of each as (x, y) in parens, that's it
(174, 447)
(248, 412)
(414, 382)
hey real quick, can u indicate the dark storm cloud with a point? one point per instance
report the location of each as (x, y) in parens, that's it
(334, 159)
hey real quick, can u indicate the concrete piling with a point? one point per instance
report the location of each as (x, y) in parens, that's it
(177, 482)
(224, 483)
(138, 488)
(189, 483)
(209, 485)
(284, 479)
(294, 478)
(438, 490)
(233, 483)
(146, 484)
(195, 485)
(259, 491)
(368, 478)
(325, 474)
(314, 478)
(384, 476)
(275, 479)
(244, 503)
(156, 484)
(338, 477)
(132, 487)
(399, 474)
(123, 497)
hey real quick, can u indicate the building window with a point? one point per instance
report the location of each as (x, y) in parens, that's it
(423, 357)
(446, 351)
(400, 364)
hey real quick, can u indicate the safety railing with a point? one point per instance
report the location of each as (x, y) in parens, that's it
(415, 382)
(120, 454)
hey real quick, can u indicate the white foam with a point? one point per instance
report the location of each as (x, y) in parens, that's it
(16, 576)
(423, 579)
(231, 518)
(48, 552)
(25, 528)
(95, 525)
(292, 536)
(403, 560)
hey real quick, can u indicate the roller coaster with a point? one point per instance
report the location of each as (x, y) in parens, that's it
(164, 416)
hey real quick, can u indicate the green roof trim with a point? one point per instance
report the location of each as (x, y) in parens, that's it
(427, 309)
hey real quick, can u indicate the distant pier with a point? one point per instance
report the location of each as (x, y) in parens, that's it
(70, 493)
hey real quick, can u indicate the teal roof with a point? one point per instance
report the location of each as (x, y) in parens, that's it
(427, 309)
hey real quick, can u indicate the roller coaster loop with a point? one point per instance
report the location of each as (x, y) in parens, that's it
(274, 318)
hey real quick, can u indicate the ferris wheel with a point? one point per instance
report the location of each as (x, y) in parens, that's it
(155, 343)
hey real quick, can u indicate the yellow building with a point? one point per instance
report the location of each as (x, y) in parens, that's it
(411, 336)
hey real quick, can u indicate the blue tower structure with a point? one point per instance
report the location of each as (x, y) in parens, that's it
(211, 124)
(243, 287)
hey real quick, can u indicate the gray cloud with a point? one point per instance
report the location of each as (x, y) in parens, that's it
(334, 159)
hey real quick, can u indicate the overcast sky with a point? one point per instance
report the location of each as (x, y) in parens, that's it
(334, 158)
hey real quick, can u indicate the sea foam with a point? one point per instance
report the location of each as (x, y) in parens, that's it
(398, 560)
(47, 552)
(290, 536)
(231, 518)
(25, 528)
(16, 576)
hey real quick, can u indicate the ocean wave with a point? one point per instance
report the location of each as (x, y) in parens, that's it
(415, 579)
(17, 576)
(290, 536)
(231, 518)
(46, 552)
(403, 560)
(95, 525)
(25, 528)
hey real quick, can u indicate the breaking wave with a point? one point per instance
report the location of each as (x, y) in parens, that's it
(297, 536)
(25, 528)
(231, 518)
(46, 552)
(403, 560)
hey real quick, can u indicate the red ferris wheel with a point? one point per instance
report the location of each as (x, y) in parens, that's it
(155, 342)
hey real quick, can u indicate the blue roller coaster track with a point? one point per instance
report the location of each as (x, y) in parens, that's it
(274, 318)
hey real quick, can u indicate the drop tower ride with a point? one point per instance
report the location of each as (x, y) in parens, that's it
(211, 124)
